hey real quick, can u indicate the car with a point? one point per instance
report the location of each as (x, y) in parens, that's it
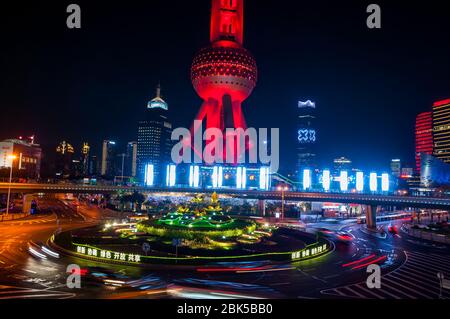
(325, 232)
(393, 229)
(343, 237)
(99, 275)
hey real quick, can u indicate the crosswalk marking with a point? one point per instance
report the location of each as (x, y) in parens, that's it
(355, 292)
(440, 257)
(415, 279)
(400, 274)
(427, 263)
(396, 283)
(371, 291)
(384, 284)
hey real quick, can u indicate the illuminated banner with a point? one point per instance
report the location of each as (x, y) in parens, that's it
(385, 183)
(343, 180)
(171, 175)
(149, 175)
(241, 178)
(194, 176)
(309, 252)
(264, 181)
(306, 179)
(373, 182)
(359, 181)
(326, 180)
(217, 177)
(106, 254)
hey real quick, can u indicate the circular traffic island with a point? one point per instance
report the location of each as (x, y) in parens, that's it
(197, 233)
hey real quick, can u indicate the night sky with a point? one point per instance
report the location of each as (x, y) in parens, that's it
(94, 83)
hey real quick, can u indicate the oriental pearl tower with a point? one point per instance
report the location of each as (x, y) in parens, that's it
(224, 73)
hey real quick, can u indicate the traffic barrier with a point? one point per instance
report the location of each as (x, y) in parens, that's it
(426, 235)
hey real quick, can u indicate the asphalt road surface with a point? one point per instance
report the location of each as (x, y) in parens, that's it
(409, 267)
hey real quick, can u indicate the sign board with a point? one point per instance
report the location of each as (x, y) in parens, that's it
(146, 248)
(177, 242)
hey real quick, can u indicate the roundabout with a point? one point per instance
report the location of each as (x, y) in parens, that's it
(196, 233)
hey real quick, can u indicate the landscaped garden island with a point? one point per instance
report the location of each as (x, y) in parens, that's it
(197, 232)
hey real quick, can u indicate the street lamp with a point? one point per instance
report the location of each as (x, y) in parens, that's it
(12, 158)
(282, 189)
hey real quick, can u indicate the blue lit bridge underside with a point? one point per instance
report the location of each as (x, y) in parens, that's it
(350, 198)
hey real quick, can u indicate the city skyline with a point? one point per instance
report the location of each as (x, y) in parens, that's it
(289, 151)
(121, 74)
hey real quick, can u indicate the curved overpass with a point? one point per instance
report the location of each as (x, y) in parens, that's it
(364, 199)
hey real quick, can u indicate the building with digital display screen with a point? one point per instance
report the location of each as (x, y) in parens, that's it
(306, 135)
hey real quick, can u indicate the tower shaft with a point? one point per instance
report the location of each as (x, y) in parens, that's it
(227, 21)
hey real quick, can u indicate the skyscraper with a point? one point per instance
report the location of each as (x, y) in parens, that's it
(93, 166)
(131, 164)
(108, 167)
(224, 73)
(424, 136)
(154, 143)
(306, 135)
(441, 130)
(396, 167)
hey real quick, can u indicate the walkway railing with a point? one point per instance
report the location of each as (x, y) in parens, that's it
(426, 235)
(13, 216)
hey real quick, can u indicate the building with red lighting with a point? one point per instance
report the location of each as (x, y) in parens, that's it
(424, 136)
(224, 73)
(441, 130)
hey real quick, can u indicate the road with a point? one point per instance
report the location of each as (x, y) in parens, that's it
(23, 276)
(409, 268)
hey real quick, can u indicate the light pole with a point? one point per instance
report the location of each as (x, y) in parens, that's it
(282, 189)
(12, 158)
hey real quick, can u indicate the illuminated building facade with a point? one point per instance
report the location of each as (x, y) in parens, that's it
(154, 143)
(64, 160)
(108, 168)
(396, 167)
(424, 136)
(85, 150)
(434, 172)
(28, 161)
(224, 74)
(441, 130)
(306, 135)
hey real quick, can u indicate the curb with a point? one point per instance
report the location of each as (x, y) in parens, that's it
(376, 234)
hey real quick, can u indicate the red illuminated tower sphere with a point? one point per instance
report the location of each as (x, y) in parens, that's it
(224, 74)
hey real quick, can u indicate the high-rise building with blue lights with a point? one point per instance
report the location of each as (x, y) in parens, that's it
(154, 139)
(306, 135)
